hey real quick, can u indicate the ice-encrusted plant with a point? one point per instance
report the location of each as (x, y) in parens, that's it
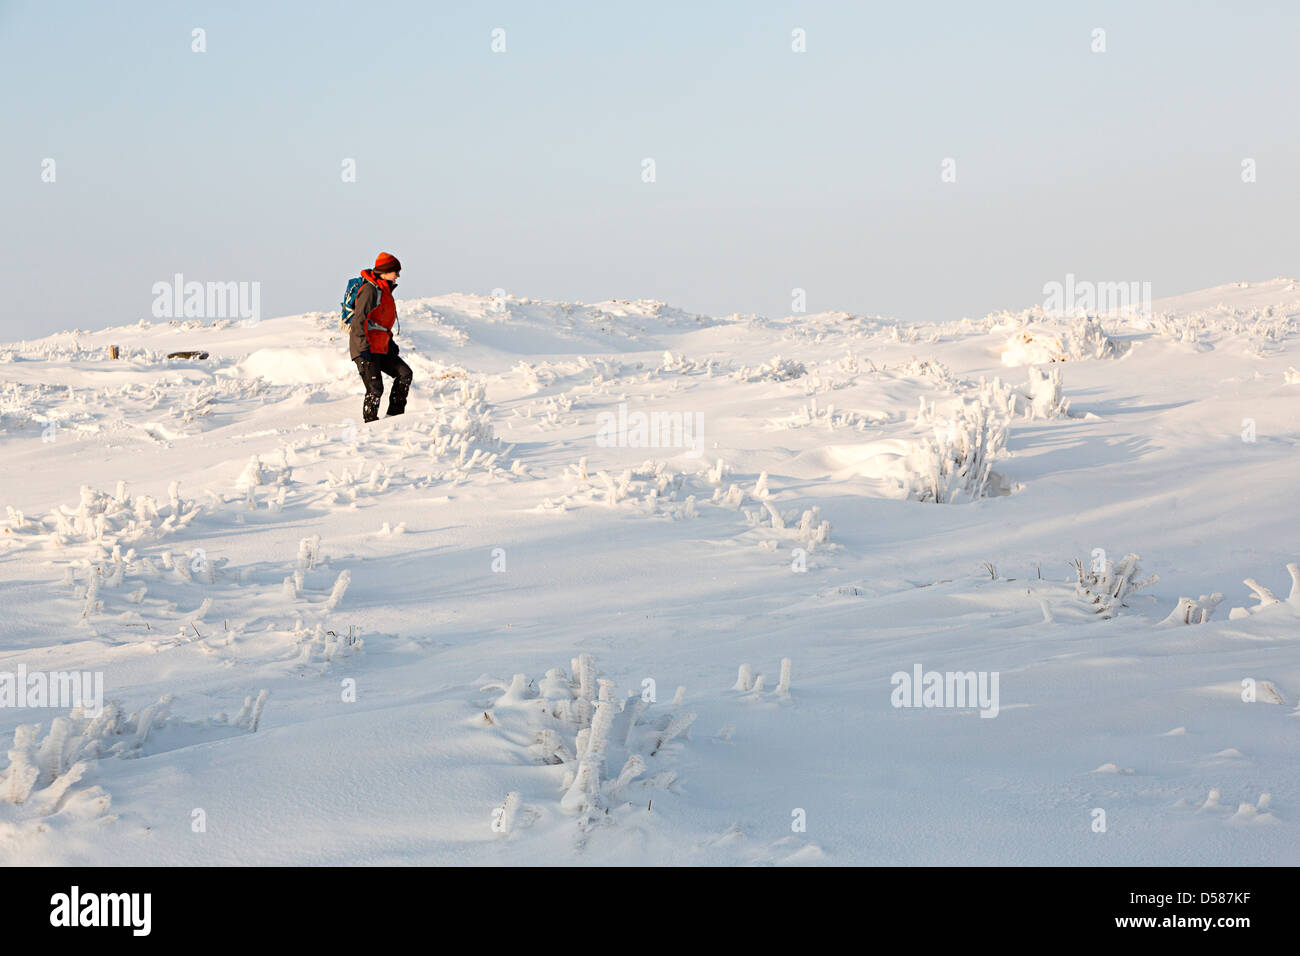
(957, 461)
(607, 745)
(656, 489)
(1267, 598)
(1047, 342)
(1106, 585)
(1041, 397)
(826, 417)
(751, 685)
(777, 370)
(1189, 611)
(100, 517)
(1088, 340)
(54, 762)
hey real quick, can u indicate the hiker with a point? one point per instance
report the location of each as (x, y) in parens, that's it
(370, 340)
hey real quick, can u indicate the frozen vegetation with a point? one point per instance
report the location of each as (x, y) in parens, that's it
(632, 585)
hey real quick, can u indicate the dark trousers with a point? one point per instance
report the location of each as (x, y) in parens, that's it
(372, 372)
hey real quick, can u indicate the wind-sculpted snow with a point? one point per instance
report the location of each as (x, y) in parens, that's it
(524, 326)
(695, 502)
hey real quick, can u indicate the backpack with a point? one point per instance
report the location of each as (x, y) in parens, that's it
(350, 298)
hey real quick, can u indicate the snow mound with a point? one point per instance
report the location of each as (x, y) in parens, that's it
(1040, 345)
(501, 526)
(283, 366)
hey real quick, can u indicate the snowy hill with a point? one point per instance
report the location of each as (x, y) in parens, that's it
(526, 622)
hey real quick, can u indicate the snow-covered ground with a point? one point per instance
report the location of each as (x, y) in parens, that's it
(511, 628)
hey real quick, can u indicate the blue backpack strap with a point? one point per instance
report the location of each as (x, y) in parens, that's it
(374, 325)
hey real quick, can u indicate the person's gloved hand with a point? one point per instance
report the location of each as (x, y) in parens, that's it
(365, 356)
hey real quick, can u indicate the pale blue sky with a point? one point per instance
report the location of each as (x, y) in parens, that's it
(522, 170)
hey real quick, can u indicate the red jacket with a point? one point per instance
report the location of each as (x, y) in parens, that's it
(371, 318)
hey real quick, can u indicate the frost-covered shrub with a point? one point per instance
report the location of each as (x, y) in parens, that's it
(653, 488)
(104, 518)
(747, 683)
(1266, 597)
(251, 476)
(318, 645)
(1038, 345)
(957, 461)
(811, 528)
(1179, 328)
(340, 588)
(1105, 585)
(827, 417)
(677, 725)
(1088, 340)
(900, 334)
(1266, 329)
(1196, 611)
(309, 552)
(679, 364)
(466, 414)
(852, 367)
(60, 758)
(777, 370)
(925, 368)
(1040, 397)
(606, 746)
